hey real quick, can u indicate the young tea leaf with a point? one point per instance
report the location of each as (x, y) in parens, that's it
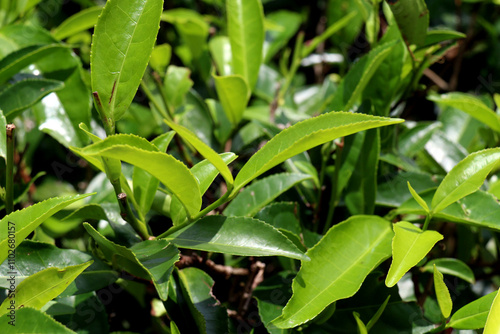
(409, 246)
(465, 178)
(233, 94)
(123, 41)
(303, 136)
(206, 151)
(40, 288)
(339, 264)
(81, 21)
(23, 222)
(493, 322)
(262, 192)
(245, 25)
(450, 266)
(170, 171)
(417, 198)
(442, 293)
(474, 314)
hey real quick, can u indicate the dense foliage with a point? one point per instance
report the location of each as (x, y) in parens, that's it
(248, 166)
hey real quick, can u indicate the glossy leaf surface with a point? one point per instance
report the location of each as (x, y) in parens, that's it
(245, 25)
(474, 314)
(24, 94)
(303, 136)
(38, 289)
(478, 209)
(39, 322)
(17, 60)
(493, 322)
(262, 192)
(179, 180)
(24, 221)
(206, 151)
(471, 105)
(235, 235)
(409, 246)
(123, 41)
(465, 178)
(150, 259)
(32, 257)
(339, 264)
(450, 266)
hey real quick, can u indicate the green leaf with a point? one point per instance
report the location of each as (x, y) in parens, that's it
(26, 93)
(303, 136)
(220, 49)
(417, 198)
(287, 23)
(362, 187)
(452, 267)
(78, 22)
(209, 315)
(441, 35)
(191, 27)
(245, 26)
(176, 84)
(179, 180)
(478, 209)
(442, 293)
(377, 314)
(23, 222)
(233, 94)
(352, 85)
(413, 141)
(465, 178)
(17, 60)
(40, 288)
(235, 235)
(262, 192)
(158, 257)
(474, 314)
(394, 192)
(39, 322)
(160, 58)
(339, 264)
(145, 185)
(493, 322)
(361, 326)
(409, 245)
(123, 41)
(412, 17)
(33, 257)
(470, 105)
(150, 259)
(206, 151)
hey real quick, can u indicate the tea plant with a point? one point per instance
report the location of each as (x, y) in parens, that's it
(211, 188)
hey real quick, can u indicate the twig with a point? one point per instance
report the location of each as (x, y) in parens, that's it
(436, 79)
(256, 277)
